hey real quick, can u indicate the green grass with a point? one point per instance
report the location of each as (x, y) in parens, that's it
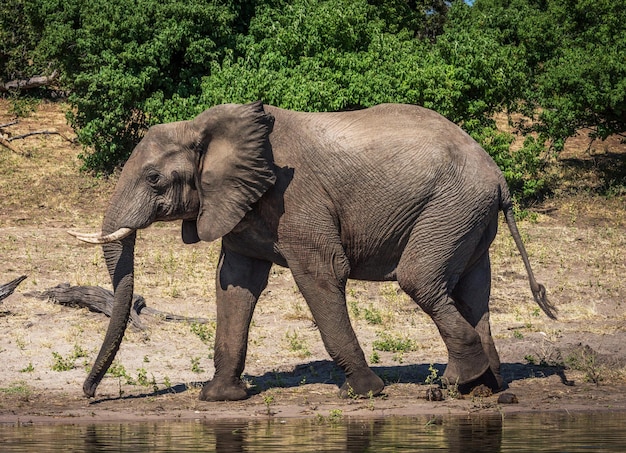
(19, 388)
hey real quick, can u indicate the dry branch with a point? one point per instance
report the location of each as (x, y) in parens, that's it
(6, 138)
(28, 134)
(100, 300)
(7, 289)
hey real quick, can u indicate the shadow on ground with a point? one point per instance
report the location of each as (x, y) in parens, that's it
(326, 372)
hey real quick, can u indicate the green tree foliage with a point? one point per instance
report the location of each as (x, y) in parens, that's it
(583, 83)
(575, 53)
(132, 63)
(18, 40)
(341, 54)
(122, 57)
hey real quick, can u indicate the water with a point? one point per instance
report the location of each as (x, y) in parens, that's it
(537, 433)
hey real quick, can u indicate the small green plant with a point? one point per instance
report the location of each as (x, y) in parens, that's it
(353, 304)
(206, 332)
(530, 359)
(352, 394)
(23, 106)
(375, 358)
(297, 344)
(29, 369)
(117, 370)
(389, 291)
(370, 400)
(79, 352)
(68, 363)
(20, 343)
(299, 312)
(142, 377)
(62, 363)
(19, 388)
(452, 389)
(586, 360)
(268, 400)
(153, 384)
(392, 343)
(433, 377)
(335, 416)
(195, 365)
(373, 316)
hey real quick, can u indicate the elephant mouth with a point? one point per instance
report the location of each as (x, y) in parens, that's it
(100, 238)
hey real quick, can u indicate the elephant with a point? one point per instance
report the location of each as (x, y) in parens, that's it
(392, 192)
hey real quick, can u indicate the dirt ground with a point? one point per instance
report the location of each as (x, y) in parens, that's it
(576, 243)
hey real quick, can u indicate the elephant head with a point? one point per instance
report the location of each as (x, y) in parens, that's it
(207, 172)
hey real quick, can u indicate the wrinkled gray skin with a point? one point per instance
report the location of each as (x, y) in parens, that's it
(393, 192)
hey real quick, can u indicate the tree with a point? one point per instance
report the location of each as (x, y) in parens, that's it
(18, 40)
(121, 58)
(575, 52)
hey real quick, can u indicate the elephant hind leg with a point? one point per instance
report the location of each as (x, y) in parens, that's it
(467, 360)
(430, 268)
(471, 296)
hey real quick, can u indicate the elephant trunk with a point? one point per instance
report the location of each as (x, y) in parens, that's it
(119, 256)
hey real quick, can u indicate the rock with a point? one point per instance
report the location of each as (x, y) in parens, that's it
(482, 391)
(434, 394)
(507, 398)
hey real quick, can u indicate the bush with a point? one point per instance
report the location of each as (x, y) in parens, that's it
(133, 63)
(122, 58)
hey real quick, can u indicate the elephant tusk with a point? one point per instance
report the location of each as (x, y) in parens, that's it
(99, 238)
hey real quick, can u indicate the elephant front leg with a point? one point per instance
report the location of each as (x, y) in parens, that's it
(240, 281)
(324, 292)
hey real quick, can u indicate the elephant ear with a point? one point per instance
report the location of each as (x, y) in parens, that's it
(236, 166)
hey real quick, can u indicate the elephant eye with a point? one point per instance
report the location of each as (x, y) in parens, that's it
(153, 178)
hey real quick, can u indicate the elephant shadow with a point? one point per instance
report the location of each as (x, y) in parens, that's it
(327, 372)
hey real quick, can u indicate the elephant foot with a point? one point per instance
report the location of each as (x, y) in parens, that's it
(363, 384)
(470, 367)
(221, 390)
(489, 378)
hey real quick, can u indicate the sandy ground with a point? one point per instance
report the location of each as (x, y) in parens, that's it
(576, 243)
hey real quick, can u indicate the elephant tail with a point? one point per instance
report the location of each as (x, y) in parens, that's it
(538, 290)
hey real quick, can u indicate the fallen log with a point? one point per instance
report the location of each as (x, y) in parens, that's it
(100, 300)
(30, 83)
(7, 289)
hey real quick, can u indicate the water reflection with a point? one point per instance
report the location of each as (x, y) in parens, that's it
(544, 432)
